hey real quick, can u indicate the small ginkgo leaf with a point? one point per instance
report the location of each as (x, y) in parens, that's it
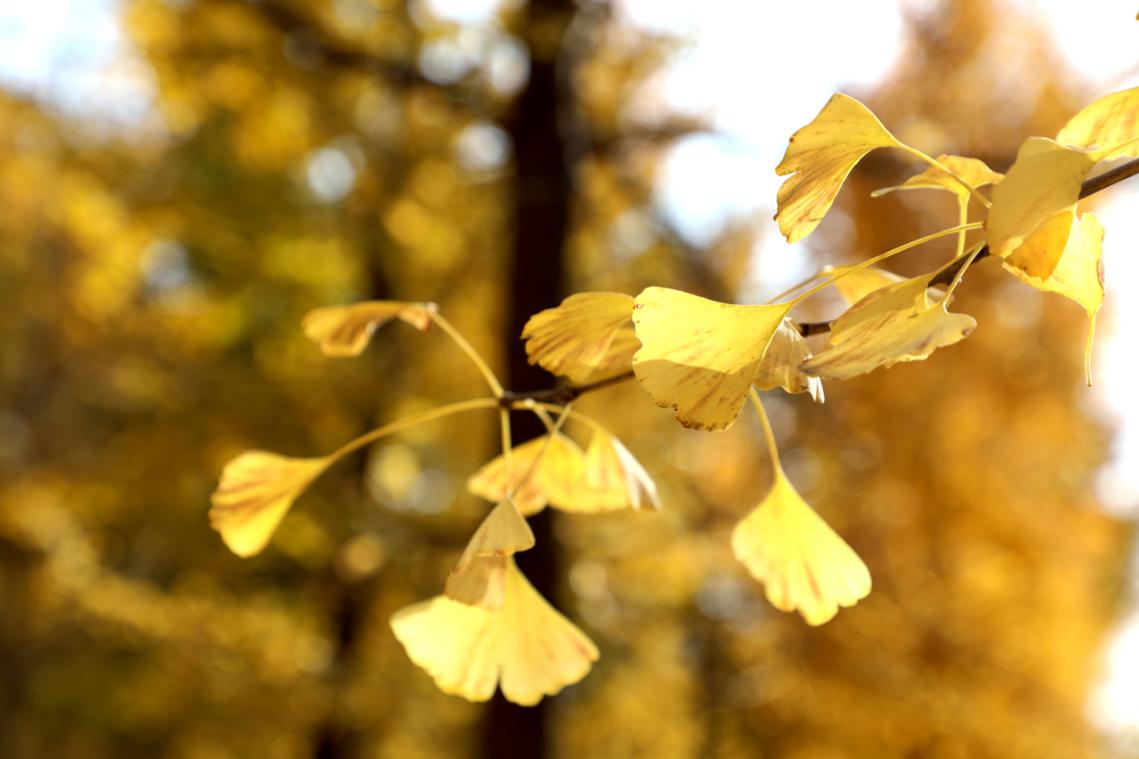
(524, 646)
(1044, 180)
(856, 284)
(780, 366)
(1110, 121)
(612, 478)
(345, 330)
(820, 156)
(699, 356)
(891, 325)
(256, 490)
(504, 532)
(1065, 255)
(481, 582)
(553, 479)
(972, 171)
(803, 564)
(588, 337)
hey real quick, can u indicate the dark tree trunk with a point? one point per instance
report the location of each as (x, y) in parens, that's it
(541, 219)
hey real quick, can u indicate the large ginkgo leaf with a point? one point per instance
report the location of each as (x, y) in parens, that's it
(1111, 121)
(1065, 255)
(803, 564)
(545, 470)
(256, 490)
(819, 157)
(587, 338)
(1044, 180)
(345, 330)
(891, 325)
(524, 646)
(972, 171)
(699, 356)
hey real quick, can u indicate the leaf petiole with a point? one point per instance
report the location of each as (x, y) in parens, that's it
(484, 369)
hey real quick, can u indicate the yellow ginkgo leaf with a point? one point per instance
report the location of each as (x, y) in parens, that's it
(1110, 121)
(504, 532)
(612, 478)
(586, 338)
(345, 330)
(803, 564)
(1044, 180)
(699, 356)
(256, 490)
(1065, 255)
(891, 325)
(524, 646)
(820, 156)
(972, 171)
(481, 582)
(855, 284)
(554, 479)
(780, 366)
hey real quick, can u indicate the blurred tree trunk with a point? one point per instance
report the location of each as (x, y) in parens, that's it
(541, 198)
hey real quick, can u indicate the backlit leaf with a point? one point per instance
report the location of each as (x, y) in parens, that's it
(504, 532)
(1044, 180)
(345, 330)
(1065, 255)
(554, 480)
(1110, 121)
(803, 564)
(524, 646)
(699, 356)
(897, 323)
(256, 490)
(780, 366)
(613, 478)
(973, 171)
(481, 582)
(859, 283)
(586, 338)
(820, 156)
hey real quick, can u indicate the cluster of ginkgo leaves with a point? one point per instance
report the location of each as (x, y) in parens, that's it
(490, 628)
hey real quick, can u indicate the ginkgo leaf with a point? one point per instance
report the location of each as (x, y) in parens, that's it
(524, 646)
(780, 366)
(345, 330)
(894, 324)
(1110, 121)
(256, 490)
(554, 479)
(972, 171)
(855, 284)
(504, 532)
(820, 156)
(481, 582)
(699, 356)
(586, 338)
(1044, 180)
(1065, 255)
(612, 477)
(803, 564)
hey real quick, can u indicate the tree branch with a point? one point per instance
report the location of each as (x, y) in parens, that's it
(567, 393)
(1089, 187)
